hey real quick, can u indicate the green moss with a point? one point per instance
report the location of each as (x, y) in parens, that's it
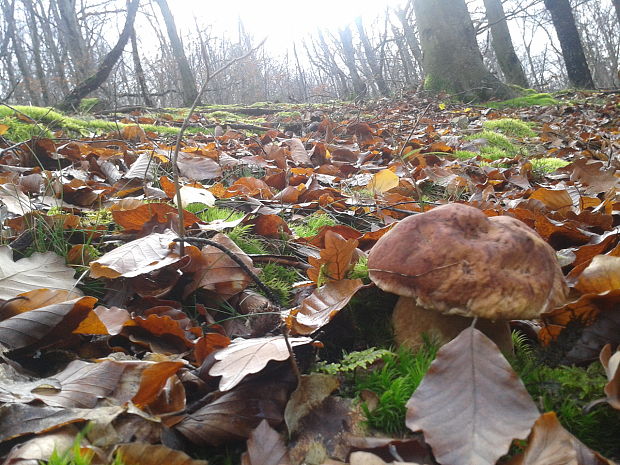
(394, 383)
(280, 280)
(547, 165)
(543, 99)
(20, 131)
(288, 114)
(223, 116)
(498, 146)
(247, 242)
(438, 84)
(359, 270)
(567, 390)
(510, 127)
(312, 224)
(464, 154)
(87, 104)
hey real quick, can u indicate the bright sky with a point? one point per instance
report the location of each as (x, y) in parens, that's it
(284, 21)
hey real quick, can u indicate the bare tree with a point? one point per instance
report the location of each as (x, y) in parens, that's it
(74, 40)
(349, 60)
(502, 44)
(572, 50)
(72, 100)
(188, 85)
(371, 58)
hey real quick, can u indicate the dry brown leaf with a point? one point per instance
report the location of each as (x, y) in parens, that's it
(265, 447)
(153, 380)
(154, 454)
(235, 414)
(322, 305)
(40, 270)
(311, 391)
(45, 325)
(335, 259)
(141, 256)
(601, 275)
(217, 272)
(611, 363)
(35, 299)
(246, 356)
(471, 404)
(79, 385)
(550, 443)
(134, 219)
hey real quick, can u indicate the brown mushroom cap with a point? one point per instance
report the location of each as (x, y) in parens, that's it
(458, 261)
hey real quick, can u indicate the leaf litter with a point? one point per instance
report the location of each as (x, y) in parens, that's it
(150, 343)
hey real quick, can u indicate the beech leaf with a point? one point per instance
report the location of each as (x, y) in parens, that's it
(40, 270)
(265, 447)
(471, 404)
(154, 454)
(245, 356)
(611, 363)
(311, 391)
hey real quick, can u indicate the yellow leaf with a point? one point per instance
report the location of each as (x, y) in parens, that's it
(3, 129)
(383, 181)
(442, 106)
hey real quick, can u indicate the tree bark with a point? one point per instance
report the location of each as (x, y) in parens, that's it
(502, 44)
(452, 60)
(137, 66)
(188, 84)
(564, 22)
(617, 7)
(74, 40)
(371, 58)
(72, 100)
(31, 19)
(349, 60)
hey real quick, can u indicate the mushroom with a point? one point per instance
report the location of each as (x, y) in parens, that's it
(453, 263)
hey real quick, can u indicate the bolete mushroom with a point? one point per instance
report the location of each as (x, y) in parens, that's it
(454, 263)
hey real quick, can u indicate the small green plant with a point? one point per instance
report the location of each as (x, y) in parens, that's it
(311, 225)
(394, 383)
(542, 99)
(510, 127)
(567, 390)
(359, 270)
(209, 214)
(353, 361)
(74, 455)
(87, 104)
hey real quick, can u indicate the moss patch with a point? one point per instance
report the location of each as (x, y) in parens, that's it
(547, 165)
(510, 127)
(312, 224)
(497, 145)
(542, 99)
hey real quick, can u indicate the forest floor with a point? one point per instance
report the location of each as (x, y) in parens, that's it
(120, 345)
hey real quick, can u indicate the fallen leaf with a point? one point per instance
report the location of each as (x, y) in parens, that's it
(311, 391)
(471, 404)
(550, 443)
(383, 181)
(611, 363)
(40, 270)
(265, 447)
(335, 260)
(246, 356)
(601, 275)
(322, 305)
(137, 257)
(154, 454)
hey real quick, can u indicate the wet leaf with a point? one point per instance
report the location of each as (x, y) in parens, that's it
(246, 356)
(470, 405)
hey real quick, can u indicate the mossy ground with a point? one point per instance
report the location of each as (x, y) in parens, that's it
(529, 100)
(510, 127)
(497, 145)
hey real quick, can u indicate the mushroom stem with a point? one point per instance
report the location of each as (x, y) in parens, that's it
(411, 322)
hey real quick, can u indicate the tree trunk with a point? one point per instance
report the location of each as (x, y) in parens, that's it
(188, 85)
(74, 40)
(452, 60)
(72, 100)
(502, 44)
(22, 62)
(572, 50)
(50, 43)
(410, 37)
(409, 70)
(371, 58)
(617, 7)
(349, 60)
(33, 27)
(137, 66)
